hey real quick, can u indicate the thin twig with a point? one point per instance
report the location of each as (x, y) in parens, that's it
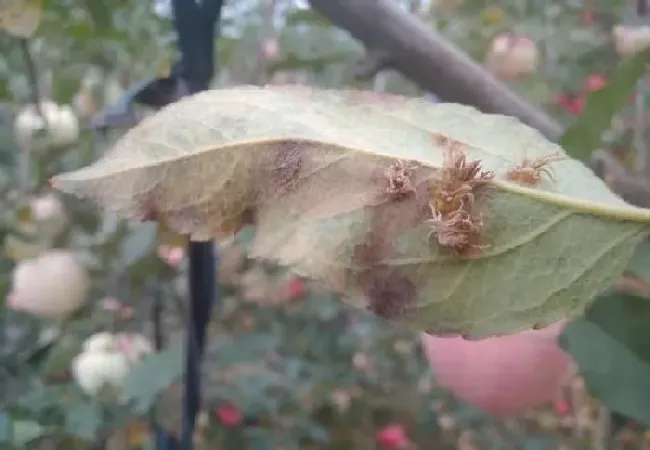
(580, 407)
(602, 432)
(32, 75)
(640, 147)
(25, 154)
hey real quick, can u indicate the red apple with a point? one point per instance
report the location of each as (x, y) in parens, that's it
(392, 436)
(229, 415)
(571, 103)
(594, 82)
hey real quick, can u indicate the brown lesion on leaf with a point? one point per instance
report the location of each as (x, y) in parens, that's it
(388, 288)
(456, 196)
(146, 209)
(286, 166)
(211, 216)
(281, 170)
(389, 291)
(530, 171)
(145, 214)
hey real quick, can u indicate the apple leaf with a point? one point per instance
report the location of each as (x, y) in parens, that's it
(432, 215)
(151, 376)
(83, 419)
(611, 346)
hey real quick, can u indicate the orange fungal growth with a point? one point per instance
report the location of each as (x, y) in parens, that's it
(400, 177)
(457, 220)
(530, 171)
(458, 231)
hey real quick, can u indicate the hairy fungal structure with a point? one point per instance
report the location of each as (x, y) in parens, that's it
(400, 177)
(456, 217)
(530, 171)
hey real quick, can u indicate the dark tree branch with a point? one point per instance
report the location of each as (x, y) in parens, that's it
(430, 60)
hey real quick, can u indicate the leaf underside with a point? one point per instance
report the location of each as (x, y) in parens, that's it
(309, 167)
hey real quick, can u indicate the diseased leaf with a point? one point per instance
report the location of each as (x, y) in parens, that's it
(399, 205)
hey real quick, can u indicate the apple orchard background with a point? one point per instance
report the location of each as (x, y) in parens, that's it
(288, 366)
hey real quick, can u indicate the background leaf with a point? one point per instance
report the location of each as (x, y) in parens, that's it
(611, 346)
(152, 376)
(639, 265)
(585, 134)
(26, 431)
(83, 418)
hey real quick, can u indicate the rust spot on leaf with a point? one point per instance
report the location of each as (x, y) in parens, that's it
(459, 179)
(390, 294)
(530, 171)
(370, 252)
(400, 176)
(459, 231)
(286, 166)
(147, 211)
(456, 214)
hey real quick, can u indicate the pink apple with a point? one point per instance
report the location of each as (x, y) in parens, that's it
(512, 56)
(503, 375)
